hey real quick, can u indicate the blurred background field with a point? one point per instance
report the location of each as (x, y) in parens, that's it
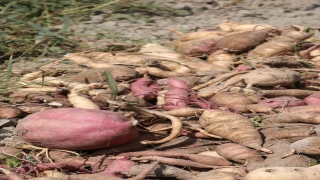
(40, 29)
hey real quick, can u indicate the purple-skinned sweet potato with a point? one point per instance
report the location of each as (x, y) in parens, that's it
(313, 99)
(145, 88)
(76, 129)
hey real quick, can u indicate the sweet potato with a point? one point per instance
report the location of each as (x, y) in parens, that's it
(177, 96)
(174, 161)
(235, 101)
(310, 108)
(10, 112)
(190, 80)
(280, 148)
(160, 51)
(294, 117)
(279, 45)
(198, 47)
(288, 134)
(283, 101)
(157, 72)
(204, 159)
(201, 35)
(222, 58)
(238, 153)
(166, 57)
(231, 26)
(313, 99)
(120, 73)
(86, 129)
(280, 173)
(185, 112)
(264, 77)
(214, 175)
(232, 126)
(238, 42)
(299, 93)
(145, 88)
(124, 58)
(243, 41)
(309, 146)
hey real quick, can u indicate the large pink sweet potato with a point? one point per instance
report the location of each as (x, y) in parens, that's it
(76, 129)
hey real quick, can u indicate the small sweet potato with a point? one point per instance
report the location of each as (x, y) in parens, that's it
(280, 148)
(214, 175)
(243, 41)
(120, 73)
(145, 88)
(289, 134)
(76, 129)
(177, 96)
(264, 77)
(10, 112)
(238, 153)
(232, 126)
(309, 146)
(287, 173)
(283, 101)
(235, 101)
(294, 117)
(313, 99)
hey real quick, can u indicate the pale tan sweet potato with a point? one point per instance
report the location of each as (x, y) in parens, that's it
(120, 73)
(198, 47)
(10, 112)
(287, 173)
(214, 175)
(279, 45)
(209, 160)
(293, 117)
(264, 77)
(243, 41)
(232, 126)
(222, 58)
(238, 153)
(309, 146)
(235, 101)
(288, 92)
(238, 42)
(289, 134)
(310, 108)
(280, 148)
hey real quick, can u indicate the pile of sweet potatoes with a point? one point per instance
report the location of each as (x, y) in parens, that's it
(238, 102)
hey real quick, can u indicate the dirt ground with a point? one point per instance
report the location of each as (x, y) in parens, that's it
(203, 15)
